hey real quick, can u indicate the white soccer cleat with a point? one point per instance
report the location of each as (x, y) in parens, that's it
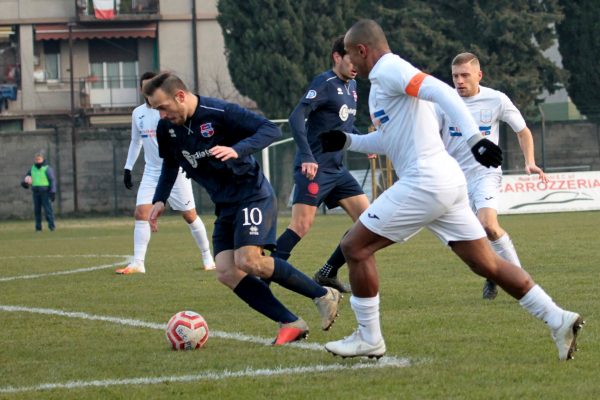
(355, 346)
(328, 306)
(131, 269)
(566, 334)
(208, 261)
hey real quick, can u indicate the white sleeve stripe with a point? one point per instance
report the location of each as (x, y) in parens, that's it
(212, 108)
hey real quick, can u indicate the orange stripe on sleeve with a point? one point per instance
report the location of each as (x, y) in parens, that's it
(412, 89)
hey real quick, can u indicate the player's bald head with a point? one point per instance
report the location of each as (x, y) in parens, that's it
(367, 32)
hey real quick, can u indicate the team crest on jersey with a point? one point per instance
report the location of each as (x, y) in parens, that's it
(311, 94)
(485, 115)
(206, 130)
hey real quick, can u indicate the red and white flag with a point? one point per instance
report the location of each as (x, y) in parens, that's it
(104, 9)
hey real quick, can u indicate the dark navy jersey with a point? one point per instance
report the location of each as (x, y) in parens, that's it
(329, 103)
(216, 122)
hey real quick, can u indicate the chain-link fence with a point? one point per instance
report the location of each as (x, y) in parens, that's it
(89, 165)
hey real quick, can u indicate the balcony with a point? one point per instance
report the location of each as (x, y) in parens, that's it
(123, 10)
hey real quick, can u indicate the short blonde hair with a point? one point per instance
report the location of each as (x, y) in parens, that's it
(466, 58)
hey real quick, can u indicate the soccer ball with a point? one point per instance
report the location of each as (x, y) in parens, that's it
(187, 330)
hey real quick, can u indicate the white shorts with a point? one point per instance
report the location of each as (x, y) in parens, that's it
(181, 198)
(403, 210)
(484, 190)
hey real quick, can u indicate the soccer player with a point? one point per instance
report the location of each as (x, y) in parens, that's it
(213, 141)
(431, 192)
(329, 103)
(144, 120)
(488, 107)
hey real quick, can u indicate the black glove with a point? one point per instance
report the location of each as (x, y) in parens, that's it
(52, 196)
(24, 185)
(332, 140)
(127, 179)
(487, 153)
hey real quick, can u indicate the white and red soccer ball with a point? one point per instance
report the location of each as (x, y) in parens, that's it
(187, 330)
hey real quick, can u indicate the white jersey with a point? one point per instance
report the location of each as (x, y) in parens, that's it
(488, 108)
(407, 126)
(144, 121)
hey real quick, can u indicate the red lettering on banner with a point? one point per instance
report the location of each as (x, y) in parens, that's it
(582, 183)
(596, 183)
(542, 186)
(529, 187)
(518, 187)
(508, 188)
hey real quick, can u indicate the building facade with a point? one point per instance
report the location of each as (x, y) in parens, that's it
(63, 63)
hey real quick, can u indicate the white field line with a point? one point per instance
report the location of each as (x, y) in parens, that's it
(385, 362)
(151, 325)
(127, 260)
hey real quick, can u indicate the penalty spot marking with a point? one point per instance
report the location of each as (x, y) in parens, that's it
(126, 260)
(385, 362)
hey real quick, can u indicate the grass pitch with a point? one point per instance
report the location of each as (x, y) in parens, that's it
(67, 322)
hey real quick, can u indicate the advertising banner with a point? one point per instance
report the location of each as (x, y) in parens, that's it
(565, 191)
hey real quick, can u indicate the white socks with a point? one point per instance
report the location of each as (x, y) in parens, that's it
(541, 306)
(199, 233)
(141, 238)
(366, 310)
(504, 247)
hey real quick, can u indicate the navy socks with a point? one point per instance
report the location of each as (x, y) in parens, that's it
(258, 295)
(291, 278)
(285, 244)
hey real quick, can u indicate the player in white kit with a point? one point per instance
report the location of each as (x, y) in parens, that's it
(488, 107)
(144, 121)
(431, 192)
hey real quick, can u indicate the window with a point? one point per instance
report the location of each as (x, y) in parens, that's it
(52, 60)
(47, 61)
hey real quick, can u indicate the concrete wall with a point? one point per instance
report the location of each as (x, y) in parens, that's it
(566, 144)
(101, 156)
(17, 9)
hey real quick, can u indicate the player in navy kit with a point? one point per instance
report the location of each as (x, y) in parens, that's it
(328, 104)
(213, 141)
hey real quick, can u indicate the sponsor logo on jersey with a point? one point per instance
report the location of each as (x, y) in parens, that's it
(379, 118)
(372, 216)
(485, 116)
(254, 231)
(345, 112)
(311, 94)
(454, 131)
(206, 130)
(193, 158)
(340, 91)
(485, 130)
(148, 133)
(172, 132)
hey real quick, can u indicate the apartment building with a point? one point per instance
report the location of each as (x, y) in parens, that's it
(61, 61)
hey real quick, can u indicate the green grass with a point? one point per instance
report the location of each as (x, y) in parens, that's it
(460, 346)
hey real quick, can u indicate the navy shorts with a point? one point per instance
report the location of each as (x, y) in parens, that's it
(251, 223)
(327, 187)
